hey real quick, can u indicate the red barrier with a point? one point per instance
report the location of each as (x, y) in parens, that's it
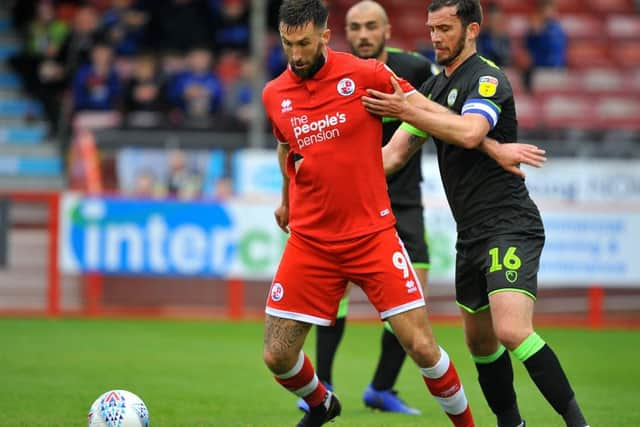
(235, 298)
(596, 306)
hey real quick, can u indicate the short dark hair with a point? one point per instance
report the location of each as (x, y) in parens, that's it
(467, 10)
(298, 13)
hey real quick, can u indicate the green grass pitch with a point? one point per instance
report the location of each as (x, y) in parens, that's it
(211, 374)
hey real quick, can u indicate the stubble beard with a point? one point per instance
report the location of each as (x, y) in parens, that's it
(375, 55)
(456, 53)
(315, 66)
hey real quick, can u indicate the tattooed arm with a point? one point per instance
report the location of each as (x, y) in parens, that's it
(401, 147)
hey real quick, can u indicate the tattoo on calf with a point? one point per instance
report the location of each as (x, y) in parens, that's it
(282, 334)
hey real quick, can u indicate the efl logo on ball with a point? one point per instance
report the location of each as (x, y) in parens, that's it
(118, 408)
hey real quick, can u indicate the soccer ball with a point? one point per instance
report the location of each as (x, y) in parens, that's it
(118, 408)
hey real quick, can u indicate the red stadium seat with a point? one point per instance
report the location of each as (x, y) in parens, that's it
(584, 53)
(568, 112)
(339, 43)
(582, 25)
(411, 26)
(515, 78)
(510, 6)
(604, 81)
(610, 6)
(569, 6)
(517, 25)
(627, 54)
(623, 26)
(555, 81)
(528, 112)
(618, 113)
(633, 80)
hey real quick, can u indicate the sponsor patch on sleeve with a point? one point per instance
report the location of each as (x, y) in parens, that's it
(487, 86)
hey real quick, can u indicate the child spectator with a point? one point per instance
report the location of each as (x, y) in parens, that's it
(96, 86)
(197, 92)
(144, 93)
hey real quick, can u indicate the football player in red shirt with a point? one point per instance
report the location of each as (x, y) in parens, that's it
(336, 206)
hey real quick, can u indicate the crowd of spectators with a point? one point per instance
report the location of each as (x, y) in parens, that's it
(155, 63)
(544, 44)
(187, 62)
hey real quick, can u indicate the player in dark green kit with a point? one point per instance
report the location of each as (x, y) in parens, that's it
(500, 231)
(367, 30)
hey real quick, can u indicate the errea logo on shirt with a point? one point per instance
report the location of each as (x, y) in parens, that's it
(286, 105)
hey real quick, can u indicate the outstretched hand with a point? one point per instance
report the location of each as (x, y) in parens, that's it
(386, 104)
(510, 156)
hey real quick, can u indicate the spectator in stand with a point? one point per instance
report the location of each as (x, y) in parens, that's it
(236, 72)
(56, 74)
(183, 181)
(96, 85)
(231, 23)
(545, 41)
(143, 100)
(43, 39)
(493, 42)
(77, 47)
(178, 25)
(124, 25)
(197, 92)
(276, 59)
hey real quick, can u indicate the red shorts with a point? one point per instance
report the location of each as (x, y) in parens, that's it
(312, 277)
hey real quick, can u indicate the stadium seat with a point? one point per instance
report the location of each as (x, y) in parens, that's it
(550, 81)
(517, 25)
(610, 6)
(339, 42)
(528, 111)
(633, 81)
(569, 6)
(515, 78)
(623, 27)
(588, 53)
(621, 112)
(413, 29)
(582, 25)
(510, 6)
(627, 54)
(568, 112)
(604, 81)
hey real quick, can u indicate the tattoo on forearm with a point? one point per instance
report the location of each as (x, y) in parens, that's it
(282, 334)
(414, 141)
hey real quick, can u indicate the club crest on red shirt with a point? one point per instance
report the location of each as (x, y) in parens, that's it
(346, 87)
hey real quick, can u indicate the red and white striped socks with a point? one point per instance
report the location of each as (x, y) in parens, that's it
(444, 384)
(302, 381)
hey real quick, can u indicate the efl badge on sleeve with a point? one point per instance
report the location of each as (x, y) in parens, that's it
(487, 86)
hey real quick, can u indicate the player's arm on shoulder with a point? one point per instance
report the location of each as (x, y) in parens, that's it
(466, 131)
(404, 143)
